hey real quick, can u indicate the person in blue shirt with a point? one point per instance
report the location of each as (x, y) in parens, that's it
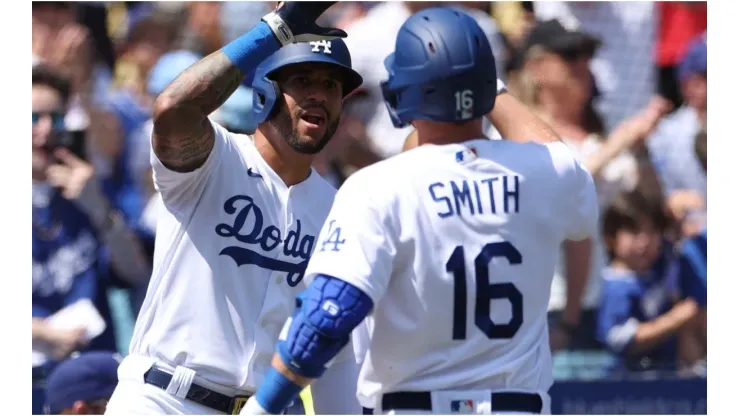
(693, 275)
(642, 311)
(80, 244)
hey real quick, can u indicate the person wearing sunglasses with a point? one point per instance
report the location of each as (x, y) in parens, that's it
(79, 244)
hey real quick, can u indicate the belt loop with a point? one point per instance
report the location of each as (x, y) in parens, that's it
(182, 378)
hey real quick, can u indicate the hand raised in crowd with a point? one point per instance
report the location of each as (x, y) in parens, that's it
(76, 179)
(630, 133)
(71, 53)
(72, 175)
(642, 124)
(66, 341)
(41, 40)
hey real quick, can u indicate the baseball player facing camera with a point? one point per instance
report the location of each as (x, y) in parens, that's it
(240, 220)
(447, 250)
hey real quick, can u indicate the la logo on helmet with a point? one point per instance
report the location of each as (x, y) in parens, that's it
(324, 44)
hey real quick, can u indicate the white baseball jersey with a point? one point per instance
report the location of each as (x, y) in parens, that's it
(456, 245)
(232, 245)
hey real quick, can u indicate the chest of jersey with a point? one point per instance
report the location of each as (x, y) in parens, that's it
(256, 224)
(251, 233)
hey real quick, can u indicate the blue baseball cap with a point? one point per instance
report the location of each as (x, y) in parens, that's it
(695, 60)
(168, 67)
(236, 112)
(88, 376)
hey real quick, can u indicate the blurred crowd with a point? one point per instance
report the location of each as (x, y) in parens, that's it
(623, 83)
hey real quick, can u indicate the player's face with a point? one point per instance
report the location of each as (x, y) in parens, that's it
(48, 115)
(311, 106)
(639, 247)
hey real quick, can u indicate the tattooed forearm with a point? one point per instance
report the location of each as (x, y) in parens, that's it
(183, 136)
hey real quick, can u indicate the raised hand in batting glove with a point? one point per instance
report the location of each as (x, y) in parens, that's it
(295, 21)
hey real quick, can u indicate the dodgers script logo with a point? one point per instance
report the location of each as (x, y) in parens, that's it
(248, 228)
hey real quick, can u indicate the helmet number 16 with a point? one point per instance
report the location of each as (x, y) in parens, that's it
(464, 104)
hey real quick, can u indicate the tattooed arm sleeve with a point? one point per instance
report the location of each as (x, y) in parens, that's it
(183, 136)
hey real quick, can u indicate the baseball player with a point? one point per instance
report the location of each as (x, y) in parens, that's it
(447, 249)
(240, 219)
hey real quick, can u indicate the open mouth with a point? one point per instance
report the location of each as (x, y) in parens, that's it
(315, 117)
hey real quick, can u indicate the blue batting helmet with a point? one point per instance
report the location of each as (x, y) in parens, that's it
(443, 69)
(266, 90)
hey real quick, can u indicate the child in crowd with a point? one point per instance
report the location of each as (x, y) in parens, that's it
(643, 311)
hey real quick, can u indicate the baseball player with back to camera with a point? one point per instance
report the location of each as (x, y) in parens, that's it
(448, 249)
(240, 219)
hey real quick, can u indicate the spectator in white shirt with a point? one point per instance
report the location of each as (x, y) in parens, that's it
(624, 66)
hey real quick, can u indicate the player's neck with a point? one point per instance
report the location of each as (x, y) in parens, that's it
(292, 167)
(430, 132)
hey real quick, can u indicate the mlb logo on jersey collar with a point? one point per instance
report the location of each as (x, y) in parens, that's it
(461, 406)
(466, 155)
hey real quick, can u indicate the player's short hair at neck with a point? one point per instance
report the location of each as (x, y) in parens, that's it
(46, 76)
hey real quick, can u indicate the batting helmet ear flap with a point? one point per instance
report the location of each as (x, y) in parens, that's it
(265, 98)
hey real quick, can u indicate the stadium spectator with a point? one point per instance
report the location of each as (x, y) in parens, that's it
(129, 101)
(66, 247)
(682, 177)
(515, 19)
(679, 23)
(693, 277)
(624, 66)
(77, 234)
(641, 315)
(556, 81)
(82, 384)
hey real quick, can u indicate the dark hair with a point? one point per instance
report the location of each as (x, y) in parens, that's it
(62, 5)
(626, 212)
(44, 75)
(700, 148)
(157, 22)
(592, 120)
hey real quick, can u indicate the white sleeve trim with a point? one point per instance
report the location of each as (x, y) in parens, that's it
(619, 336)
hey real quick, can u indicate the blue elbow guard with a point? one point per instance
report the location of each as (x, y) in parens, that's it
(327, 313)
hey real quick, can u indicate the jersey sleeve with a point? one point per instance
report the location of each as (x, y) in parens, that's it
(356, 243)
(579, 203)
(615, 326)
(183, 188)
(693, 270)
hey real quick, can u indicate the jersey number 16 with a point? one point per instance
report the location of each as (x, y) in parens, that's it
(485, 292)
